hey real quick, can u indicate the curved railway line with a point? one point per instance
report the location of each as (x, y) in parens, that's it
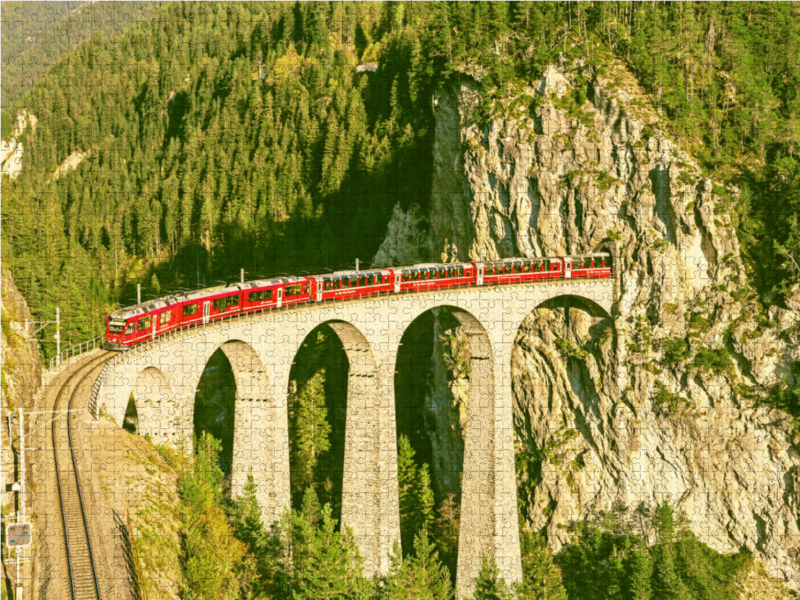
(84, 580)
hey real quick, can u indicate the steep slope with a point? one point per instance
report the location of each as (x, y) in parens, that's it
(20, 378)
(659, 400)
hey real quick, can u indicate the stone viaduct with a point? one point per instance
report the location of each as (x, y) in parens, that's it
(163, 376)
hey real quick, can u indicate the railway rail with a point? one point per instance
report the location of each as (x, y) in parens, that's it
(83, 570)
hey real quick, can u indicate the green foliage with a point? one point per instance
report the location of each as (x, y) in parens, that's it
(717, 361)
(215, 563)
(567, 348)
(415, 494)
(676, 350)
(420, 576)
(541, 579)
(332, 567)
(309, 429)
(666, 403)
(609, 558)
(489, 586)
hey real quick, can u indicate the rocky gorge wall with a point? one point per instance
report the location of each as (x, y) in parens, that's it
(661, 400)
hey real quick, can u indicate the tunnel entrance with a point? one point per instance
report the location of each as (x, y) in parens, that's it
(214, 406)
(431, 384)
(317, 406)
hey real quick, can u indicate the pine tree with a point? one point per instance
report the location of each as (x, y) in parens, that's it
(616, 576)
(421, 576)
(333, 568)
(489, 586)
(309, 429)
(541, 579)
(641, 573)
(667, 583)
(415, 494)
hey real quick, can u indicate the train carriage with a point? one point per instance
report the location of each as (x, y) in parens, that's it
(516, 270)
(346, 285)
(432, 276)
(590, 265)
(136, 324)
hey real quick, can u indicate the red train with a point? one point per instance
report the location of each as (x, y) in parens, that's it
(130, 326)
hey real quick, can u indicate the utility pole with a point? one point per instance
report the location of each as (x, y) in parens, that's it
(356, 264)
(138, 293)
(58, 335)
(241, 275)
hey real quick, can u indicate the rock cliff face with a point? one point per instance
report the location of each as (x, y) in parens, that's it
(658, 400)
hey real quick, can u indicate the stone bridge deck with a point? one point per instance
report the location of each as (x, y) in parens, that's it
(163, 376)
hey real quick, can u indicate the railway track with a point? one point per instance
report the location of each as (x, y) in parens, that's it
(83, 569)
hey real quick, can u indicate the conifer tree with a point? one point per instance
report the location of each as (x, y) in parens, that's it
(421, 576)
(310, 430)
(667, 583)
(541, 579)
(489, 585)
(641, 573)
(333, 568)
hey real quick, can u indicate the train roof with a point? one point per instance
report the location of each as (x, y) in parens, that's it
(140, 309)
(434, 265)
(145, 307)
(353, 272)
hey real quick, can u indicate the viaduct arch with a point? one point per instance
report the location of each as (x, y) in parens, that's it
(163, 376)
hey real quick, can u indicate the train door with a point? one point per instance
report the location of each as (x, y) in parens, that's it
(397, 283)
(480, 274)
(567, 268)
(319, 285)
(206, 311)
(280, 297)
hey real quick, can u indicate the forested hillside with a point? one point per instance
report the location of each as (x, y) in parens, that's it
(220, 137)
(228, 136)
(35, 35)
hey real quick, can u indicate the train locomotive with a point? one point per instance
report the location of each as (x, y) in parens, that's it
(134, 325)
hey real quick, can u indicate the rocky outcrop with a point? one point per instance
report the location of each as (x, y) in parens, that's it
(658, 400)
(11, 150)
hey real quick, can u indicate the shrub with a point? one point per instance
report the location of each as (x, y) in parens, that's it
(717, 360)
(666, 403)
(675, 350)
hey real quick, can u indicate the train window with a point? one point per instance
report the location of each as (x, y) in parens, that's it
(293, 290)
(353, 281)
(144, 323)
(165, 317)
(545, 265)
(189, 310)
(460, 271)
(362, 280)
(130, 328)
(259, 296)
(442, 272)
(219, 304)
(233, 300)
(450, 271)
